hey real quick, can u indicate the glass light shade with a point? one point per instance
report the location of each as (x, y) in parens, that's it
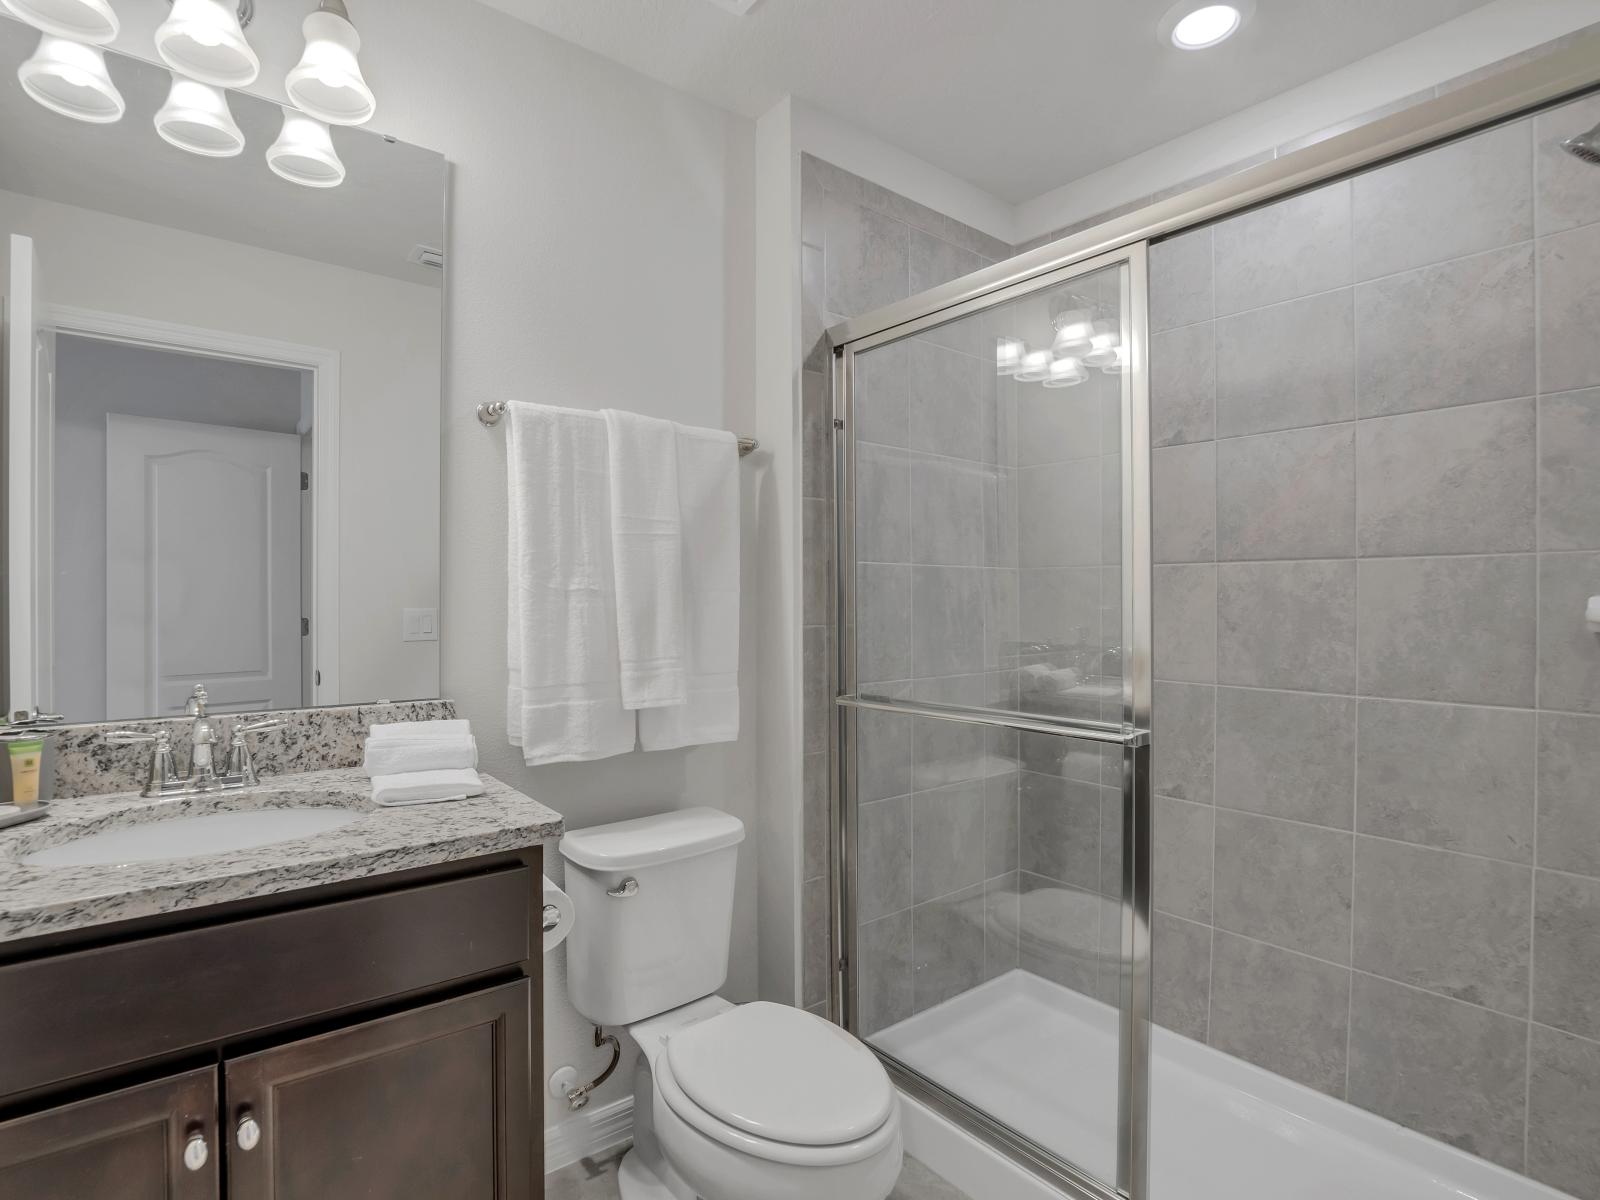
(202, 39)
(1103, 345)
(1035, 366)
(304, 153)
(1065, 372)
(327, 81)
(196, 118)
(70, 78)
(1008, 355)
(92, 21)
(1073, 331)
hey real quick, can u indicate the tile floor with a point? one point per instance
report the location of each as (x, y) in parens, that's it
(596, 1179)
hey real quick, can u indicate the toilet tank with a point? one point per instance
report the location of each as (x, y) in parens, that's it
(653, 901)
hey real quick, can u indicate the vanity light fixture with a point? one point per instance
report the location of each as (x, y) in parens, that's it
(1074, 329)
(92, 21)
(327, 81)
(1035, 366)
(204, 39)
(1189, 26)
(304, 152)
(1065, 372)
(1008, 355)
(1103, 345)
(196, 118)
(70, 78)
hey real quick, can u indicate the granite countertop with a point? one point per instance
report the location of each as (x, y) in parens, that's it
(37, 900)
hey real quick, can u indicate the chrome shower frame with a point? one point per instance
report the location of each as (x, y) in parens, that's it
(1516, 91)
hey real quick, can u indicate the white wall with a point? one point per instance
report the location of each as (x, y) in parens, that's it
(386, 333)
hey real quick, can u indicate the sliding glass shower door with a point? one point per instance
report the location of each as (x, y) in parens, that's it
(992, 793)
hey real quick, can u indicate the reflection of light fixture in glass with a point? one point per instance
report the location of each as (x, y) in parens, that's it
(1008, 353)
(196, 118)
(1118, 364)
(327, 81)
(70, 78)
(1103, 345)
(91, 21)
(204, 39)
(304, 153)
(1035, 366)
(1065, 372)
(1074, 327)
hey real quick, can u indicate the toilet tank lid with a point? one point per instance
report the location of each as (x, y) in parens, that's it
(651, 841)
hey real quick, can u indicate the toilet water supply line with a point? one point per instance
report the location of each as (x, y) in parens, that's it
(578, 1097)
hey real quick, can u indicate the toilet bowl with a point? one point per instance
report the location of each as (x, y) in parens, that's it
(754, 1101)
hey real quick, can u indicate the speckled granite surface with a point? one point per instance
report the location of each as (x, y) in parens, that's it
(40, 900)
(313, 739)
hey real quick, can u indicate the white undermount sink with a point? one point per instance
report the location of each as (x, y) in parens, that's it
(189, 837)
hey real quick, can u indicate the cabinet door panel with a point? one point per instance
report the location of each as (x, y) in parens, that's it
(126, 1145)
(432, 1102)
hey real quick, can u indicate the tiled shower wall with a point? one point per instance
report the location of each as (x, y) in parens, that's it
(1376, 412)
(863, 247)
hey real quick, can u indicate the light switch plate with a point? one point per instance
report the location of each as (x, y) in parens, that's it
(419, 624)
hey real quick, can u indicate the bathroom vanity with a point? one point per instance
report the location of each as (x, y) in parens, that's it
(354, 1013)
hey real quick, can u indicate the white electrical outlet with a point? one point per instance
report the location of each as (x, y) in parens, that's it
(419, 624)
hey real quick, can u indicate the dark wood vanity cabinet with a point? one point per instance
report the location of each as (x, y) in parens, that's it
(381, 1044)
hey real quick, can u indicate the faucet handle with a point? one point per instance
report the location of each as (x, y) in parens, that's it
(258, 726)
(163, 767)
(196, 707)
(239, 763)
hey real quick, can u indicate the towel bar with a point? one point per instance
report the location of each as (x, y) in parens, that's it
(491, 412)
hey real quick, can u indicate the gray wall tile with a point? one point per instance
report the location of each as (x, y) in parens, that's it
(934, 261)
(1184, 717)
(1054, 602)
(1280, 1010)
(1287, 495)
(1461, 198)
(1456, 481)
(1444, 1068)
(1000, 518)
(885, 972)
(1183, 485)
(1180, 280)
(1182, 834)
(1060, 820)
(944, 752)
(947, 944)
(1563, 1119)
(883, 752)
(950, 403)
(1287, 624)
(1569, 310)
(1180, 968)
(1454, 333)
(883, 386)
(814, 817)
(1569, 471)
(1569, 793)
(1183, 385)
(1447, 922)
(1448, 629)
(1566, 194)
(947, 840)
(1286, 366)
(814, 314)
(946, 620)
(1569, 655)
(1001, 823)
(1566, 952)
(816, 604)
(814, 973)
(1002, 910)
(883, 504)
(1058, 508)
(1057, 424)
(1292, 248)
(1184, 613)
(883, 872)
(883, 636)
(816, 450)
(865, 258)
(947, 526)
(817, 657)
(1287, 754)
(1447, 776)
(1284, 883)
(1063, 935)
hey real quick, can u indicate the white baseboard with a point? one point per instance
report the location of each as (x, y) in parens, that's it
(588, 1133)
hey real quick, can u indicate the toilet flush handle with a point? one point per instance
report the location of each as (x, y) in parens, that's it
(628, 887)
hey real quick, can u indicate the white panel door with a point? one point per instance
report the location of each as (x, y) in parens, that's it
(202, 566)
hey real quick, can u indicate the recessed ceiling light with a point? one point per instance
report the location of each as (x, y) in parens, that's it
(1195, 27)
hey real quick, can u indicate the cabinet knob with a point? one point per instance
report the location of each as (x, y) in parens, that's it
(248, 1135)
(195, 1151)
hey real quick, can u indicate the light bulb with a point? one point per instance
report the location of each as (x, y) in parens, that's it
(203, 40)
(1035, 366)
(1206, 26)
(196, 118)
(327, 81)
(1008, 354)
(1065, 372)
(1103, 345)
(304, 153)
(70, 78)
(92, 21)
(1073, 330)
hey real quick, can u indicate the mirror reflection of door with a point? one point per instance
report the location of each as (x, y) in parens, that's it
(179, 517)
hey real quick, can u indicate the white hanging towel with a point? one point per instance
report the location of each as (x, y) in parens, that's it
(708, 509)
(563, 699)
(647, 548)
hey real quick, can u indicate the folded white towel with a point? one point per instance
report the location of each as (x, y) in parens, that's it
(392, 756)
(416, 730)
(563, 698)
(425, 787)
(647, 550)
(708, 508)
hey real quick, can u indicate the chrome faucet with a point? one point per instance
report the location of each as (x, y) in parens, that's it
(205, 735)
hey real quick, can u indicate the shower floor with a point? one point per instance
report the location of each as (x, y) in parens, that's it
(1043, 1059)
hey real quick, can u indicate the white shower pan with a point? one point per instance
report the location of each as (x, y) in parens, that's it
(1042, 1059)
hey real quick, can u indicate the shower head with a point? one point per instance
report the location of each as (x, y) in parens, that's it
(1585, 146)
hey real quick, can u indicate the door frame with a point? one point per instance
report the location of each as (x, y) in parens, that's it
(322, 364)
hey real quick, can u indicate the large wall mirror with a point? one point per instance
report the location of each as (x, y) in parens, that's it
(222, 406)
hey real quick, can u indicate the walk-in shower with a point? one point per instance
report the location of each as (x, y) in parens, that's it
(1213, 808)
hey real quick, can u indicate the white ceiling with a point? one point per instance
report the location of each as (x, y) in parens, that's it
(1015, 96)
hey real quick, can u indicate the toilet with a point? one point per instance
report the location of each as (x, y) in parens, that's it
(753, 1101)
